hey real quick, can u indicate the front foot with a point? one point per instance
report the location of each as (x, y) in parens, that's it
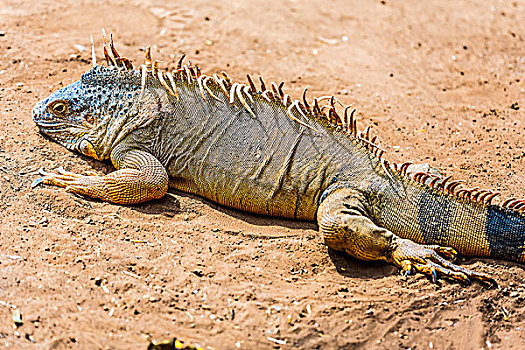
(430, 260)
(125, 186)
(61, 179)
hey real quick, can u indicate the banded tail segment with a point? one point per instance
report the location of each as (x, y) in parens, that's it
(505, 230)
(431, 210)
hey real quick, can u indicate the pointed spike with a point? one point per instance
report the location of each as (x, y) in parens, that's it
(201, 87)
(286, 97)
(353, 121)
(489, 198)
(265, 95)
(93, 55)
(275, 89)
(179, 64)
(404, 167)
(127, 63)
(304, 98)
(232, 92)
(219, 81)
(205, 84)
(104, 48)
(291, 116)
(454, 184)
(346, 121)
(160, 76)
(281, 93)
(476, 195)
(447, 186)
(460, 193)
(198, 71)
(186, 71)
(109, 60)
(507, 201)
(443, 183)
(263, 85)
(338, 119)
(434, 180)
(483, 196)
(193, 73)
(173, 86)
(144, 74)
(301, 108)
(252, 85)
(511, 204)
(114, 51)
(519, 206)
(417, 176)
(243, 101)
(226, 77)
(246, 91)
(147, 59)
(317, 110)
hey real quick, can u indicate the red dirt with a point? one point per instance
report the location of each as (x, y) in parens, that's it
(437, 82)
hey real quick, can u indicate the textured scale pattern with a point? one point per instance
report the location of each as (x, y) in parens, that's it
(266, 153)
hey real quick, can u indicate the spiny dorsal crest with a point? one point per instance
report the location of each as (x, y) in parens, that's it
(323, 109)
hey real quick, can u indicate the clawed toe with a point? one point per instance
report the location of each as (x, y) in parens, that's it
(431, 261)
(62, 178)
(37, 182)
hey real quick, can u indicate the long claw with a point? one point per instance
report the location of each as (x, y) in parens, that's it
(41, 171)
(37, 182)
(434, 275)
(430, 260)
(406, 266)
(446, 252)
(64, 172)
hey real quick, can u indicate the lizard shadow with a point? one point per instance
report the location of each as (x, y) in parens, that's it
(169, 206)
(345, 265)
(350, 267)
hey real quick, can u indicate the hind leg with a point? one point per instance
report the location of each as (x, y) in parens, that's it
(345, 225)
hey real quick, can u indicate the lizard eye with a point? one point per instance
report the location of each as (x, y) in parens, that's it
(58, 107)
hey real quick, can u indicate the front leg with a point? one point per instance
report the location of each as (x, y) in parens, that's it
(140, 178)
(345, 226)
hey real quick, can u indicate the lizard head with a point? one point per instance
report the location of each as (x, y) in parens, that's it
(80, 116)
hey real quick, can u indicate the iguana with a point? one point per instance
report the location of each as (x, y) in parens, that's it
(260, 151)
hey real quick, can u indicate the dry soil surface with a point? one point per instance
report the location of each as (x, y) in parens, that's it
(441, 83)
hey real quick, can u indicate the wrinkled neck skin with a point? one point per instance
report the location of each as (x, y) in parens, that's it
(126, 111)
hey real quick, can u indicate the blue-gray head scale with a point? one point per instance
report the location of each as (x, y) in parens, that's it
(78, 116)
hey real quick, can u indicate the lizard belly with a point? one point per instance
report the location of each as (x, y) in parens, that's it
(254, 195)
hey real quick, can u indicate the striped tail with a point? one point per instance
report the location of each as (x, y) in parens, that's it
(429, 215)
(505, 232)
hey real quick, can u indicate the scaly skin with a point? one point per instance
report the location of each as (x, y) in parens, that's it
(264, 153)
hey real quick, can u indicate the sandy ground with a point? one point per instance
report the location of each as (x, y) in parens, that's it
(442, 83)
